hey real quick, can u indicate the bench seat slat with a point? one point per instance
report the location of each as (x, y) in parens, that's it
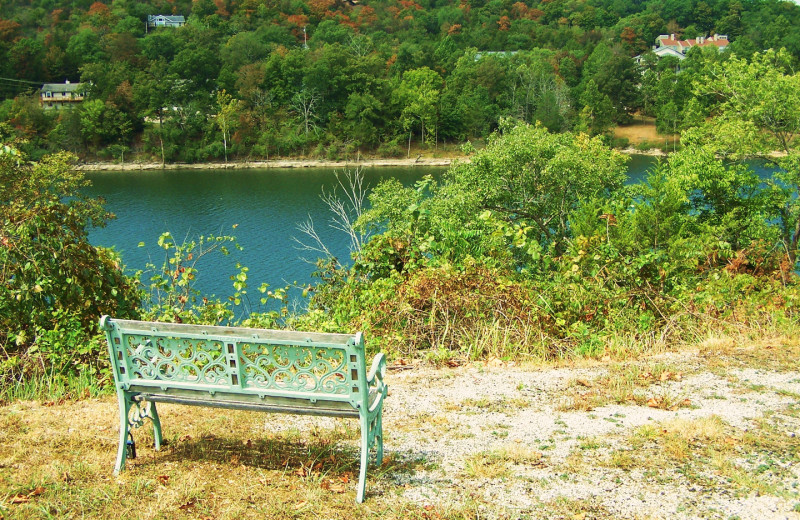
(300, 407)
(276, 337)
(147, 387)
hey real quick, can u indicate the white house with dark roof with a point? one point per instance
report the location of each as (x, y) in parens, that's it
(161, 20)
(61, 95)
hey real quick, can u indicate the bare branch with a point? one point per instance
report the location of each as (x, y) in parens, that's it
(345, 211)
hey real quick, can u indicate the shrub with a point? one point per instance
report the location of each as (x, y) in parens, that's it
(54, 285)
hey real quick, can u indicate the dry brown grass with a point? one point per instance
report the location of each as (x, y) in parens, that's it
(709, 452)
(778, 353)
(641, 130)
(626, 383)
(498, 463)
(56, 461)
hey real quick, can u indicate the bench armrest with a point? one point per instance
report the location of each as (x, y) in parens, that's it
(375, 379)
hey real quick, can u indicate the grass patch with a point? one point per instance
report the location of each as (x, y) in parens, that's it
(57, 461)
(497, 463)
(709, 452)
(583, 509)
(485, 404)
(779, 353)
(55, 387)
(625, 384)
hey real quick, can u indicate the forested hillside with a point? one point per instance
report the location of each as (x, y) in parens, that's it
(331, 78)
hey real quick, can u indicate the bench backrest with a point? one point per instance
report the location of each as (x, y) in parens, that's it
(260, 362)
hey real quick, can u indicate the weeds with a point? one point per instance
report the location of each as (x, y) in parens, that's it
(624, 384)
(56, 387)
(497, 463)
(712, 453)
(772, 352)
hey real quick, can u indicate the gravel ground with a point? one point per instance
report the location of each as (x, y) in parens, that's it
(509, 440)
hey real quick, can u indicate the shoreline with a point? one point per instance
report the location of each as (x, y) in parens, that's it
(265, 165)
(303, 163)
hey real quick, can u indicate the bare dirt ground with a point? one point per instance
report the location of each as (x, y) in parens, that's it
(668, 438)
(710, 432)
(641, 130)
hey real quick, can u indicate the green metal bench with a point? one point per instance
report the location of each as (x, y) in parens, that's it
(244, 369)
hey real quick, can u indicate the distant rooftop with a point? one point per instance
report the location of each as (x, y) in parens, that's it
(61, 87)
(163, 19)
(669, 40)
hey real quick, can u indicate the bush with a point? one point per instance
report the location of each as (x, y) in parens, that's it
(54, 285)
(391, 148)
(534, 249)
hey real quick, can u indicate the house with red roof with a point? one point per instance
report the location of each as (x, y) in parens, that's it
(669, 41)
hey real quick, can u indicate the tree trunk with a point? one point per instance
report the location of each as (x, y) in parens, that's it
(161, 138)
(794, 241)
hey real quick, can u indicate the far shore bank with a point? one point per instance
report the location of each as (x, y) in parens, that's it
(302, 163)
(279, 163)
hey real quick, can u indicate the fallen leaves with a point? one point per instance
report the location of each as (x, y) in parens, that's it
(188, 505)
(333, 486)
(22, 498)
(665, 403)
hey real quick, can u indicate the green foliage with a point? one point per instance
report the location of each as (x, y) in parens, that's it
(755, 106)
(54, 285)
(172, 295)
(321, 76)
(530, 175)
(535, 248)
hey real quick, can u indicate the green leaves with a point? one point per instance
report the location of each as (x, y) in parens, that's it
(756, 113)
(54, 285)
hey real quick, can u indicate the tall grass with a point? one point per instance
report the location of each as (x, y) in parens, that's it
(55, 386)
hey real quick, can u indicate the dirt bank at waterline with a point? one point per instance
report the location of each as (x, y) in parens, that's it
(288, 163)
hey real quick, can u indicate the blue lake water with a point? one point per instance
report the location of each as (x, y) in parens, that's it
(266, 206)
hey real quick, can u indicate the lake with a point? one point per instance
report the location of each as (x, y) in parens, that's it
(266, 206)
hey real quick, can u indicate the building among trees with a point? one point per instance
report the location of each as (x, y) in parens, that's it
(668, 42)
(61, 95)
(160, 20)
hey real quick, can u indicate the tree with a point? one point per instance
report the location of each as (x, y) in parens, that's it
(155, 91)
(242, 49)
(615, 76)
(418, 95)
(304, 104)
(227, 113)
(598, 112)
(756, 112)
(84, 47)
(103, 123)
(530, 175)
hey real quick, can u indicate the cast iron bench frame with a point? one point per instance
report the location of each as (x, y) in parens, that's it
(244, 369)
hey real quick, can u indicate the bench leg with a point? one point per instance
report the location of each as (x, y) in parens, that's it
(156, 426)
(362, 476)
(379, 439)
(124, 429)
